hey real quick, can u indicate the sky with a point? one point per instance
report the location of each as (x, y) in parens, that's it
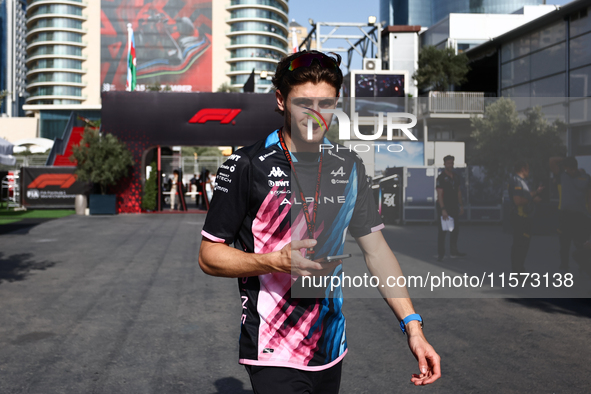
(343, 11)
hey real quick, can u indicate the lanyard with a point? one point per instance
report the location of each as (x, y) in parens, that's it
(311, 222)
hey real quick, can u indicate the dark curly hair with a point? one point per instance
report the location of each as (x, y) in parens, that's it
(284, 80)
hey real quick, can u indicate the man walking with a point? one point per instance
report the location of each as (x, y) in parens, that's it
(449, 205)
(522, 200)
(574, 189)
(286, 205)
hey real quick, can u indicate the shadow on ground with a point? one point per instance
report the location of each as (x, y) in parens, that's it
(566, 306)
(23, 226)
(18, 266)
(230, 386)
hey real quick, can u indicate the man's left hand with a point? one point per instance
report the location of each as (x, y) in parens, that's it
(429, 360)
(461, 211)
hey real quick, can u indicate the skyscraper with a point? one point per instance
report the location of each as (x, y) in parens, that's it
(258, 38)
(428, 12)
(12, 55)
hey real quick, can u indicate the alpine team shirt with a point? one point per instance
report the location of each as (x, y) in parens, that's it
(257, 207)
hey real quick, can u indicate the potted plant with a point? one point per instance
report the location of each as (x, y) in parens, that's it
(102, 160)
(151, 193)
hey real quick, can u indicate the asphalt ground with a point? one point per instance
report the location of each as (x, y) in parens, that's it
(119, 305)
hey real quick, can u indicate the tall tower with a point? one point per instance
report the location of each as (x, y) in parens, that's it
(63, 53)
(258, 39)
(12, 55)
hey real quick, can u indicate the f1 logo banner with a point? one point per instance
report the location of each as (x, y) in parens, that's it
(223, 115)
(50, 187)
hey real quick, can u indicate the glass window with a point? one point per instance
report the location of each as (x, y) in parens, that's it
(517, 91)
(548, 61)
(258, 26)
(549, 87)
(258, 66)
(56, 77)
(56, 91)
(63, 36)
(256, 13)
(580, 51)
(57, 63)
(256, 52)
(56, 22)
(256, 39)
(56, 50)
(272, 3)
(57, 9)
(548, 36)
(515, 72)
(516, 48)
(580, 22)
(580, 82)
(241, 79)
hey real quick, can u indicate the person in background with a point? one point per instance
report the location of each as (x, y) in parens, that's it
(173, 189)
(449, 204)
(523, 201)
(193, 183)
(574, 191)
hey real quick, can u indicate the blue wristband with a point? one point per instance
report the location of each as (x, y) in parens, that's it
(408, 319)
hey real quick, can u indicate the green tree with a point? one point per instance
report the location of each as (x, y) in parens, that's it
(226, 88)
(101, 159)
(440, 68)
(502, 137)
(156, 87)
(151, 190)
(3, 94)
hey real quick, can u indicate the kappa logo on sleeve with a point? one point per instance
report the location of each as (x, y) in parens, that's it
(276, 172)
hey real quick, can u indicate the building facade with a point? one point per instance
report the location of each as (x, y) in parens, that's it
(258, 39)
(428, 12)
(12, 56)
(62, 53)
(546, 60)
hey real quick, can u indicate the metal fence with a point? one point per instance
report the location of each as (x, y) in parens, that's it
(456, 102)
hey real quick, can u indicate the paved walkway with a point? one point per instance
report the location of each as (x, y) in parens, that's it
(119, 305)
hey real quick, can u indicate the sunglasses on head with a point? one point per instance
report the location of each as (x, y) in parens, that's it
(306, 59)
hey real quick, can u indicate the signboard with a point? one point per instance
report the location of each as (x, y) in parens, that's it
(50, 187)
(172, 41)
(171, 119)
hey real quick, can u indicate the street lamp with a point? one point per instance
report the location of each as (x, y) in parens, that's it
(371, 20)
(311, 21)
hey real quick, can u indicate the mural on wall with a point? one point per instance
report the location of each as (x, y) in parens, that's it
(172, 40)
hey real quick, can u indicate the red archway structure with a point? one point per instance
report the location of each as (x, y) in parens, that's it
(148, 119)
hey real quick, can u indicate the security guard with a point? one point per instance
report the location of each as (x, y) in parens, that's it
(523, 201)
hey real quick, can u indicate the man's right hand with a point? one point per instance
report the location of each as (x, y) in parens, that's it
(291, 261)
(444, 214)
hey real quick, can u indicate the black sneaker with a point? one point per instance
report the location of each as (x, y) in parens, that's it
(457, 254)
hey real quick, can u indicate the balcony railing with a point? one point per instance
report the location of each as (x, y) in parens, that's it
(455, 102)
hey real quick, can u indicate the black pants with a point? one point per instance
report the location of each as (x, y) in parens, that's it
(521, 240)
(573, 227)
(453, 239)
(280, 380)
